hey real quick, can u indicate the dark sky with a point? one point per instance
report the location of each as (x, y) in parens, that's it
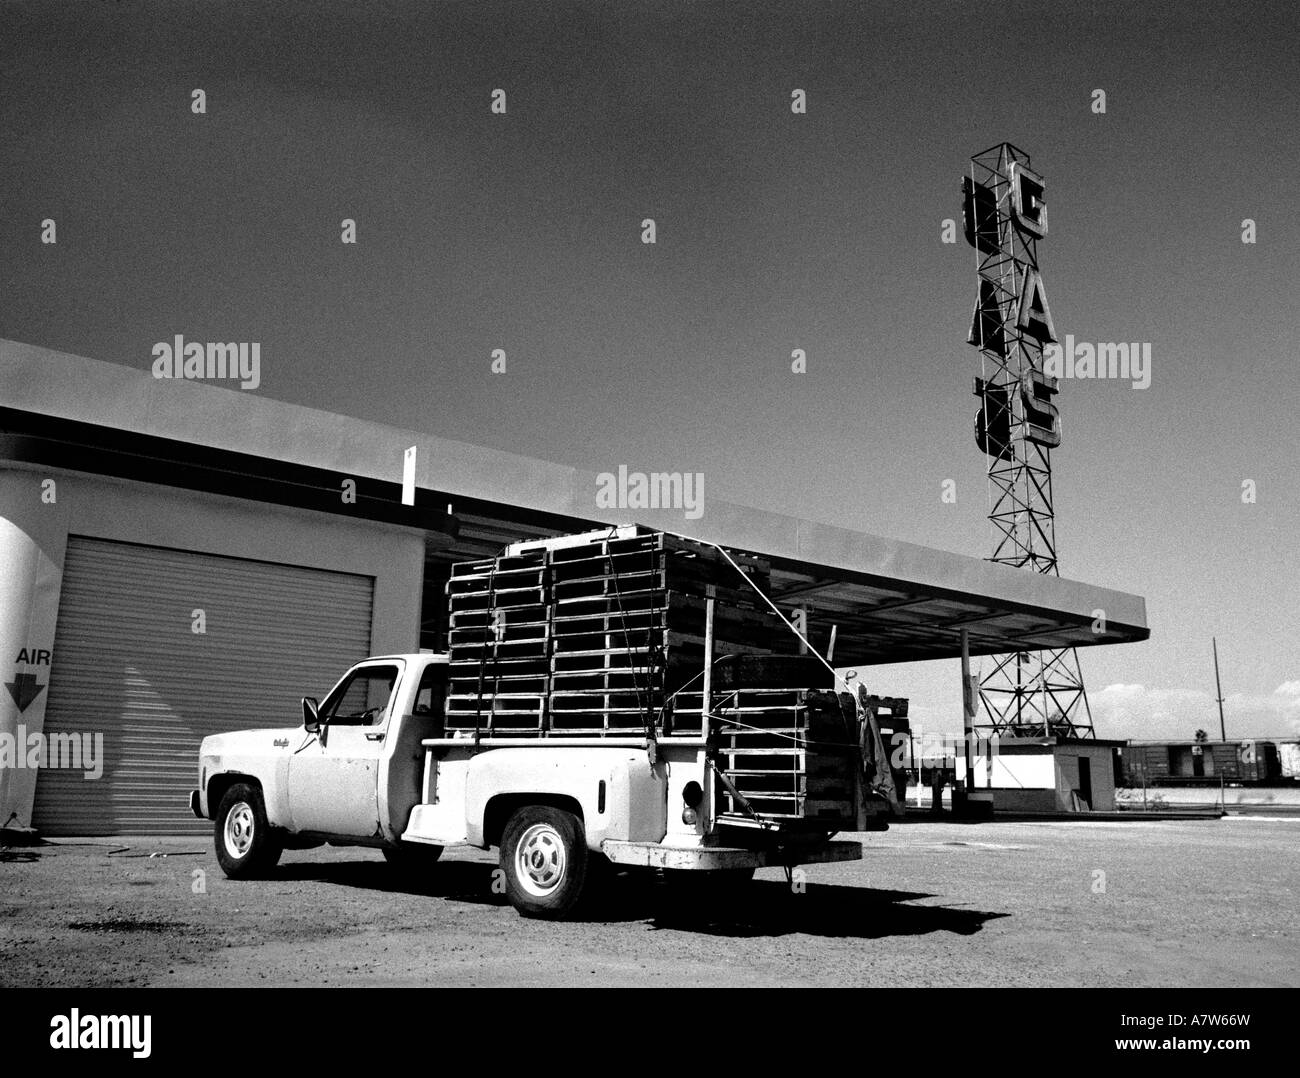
(775, 231)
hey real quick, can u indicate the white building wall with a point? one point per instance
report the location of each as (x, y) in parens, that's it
(1052, 768)
(33, 539)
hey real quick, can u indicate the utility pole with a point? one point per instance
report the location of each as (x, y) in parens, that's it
(1223, 735)
(969, 706)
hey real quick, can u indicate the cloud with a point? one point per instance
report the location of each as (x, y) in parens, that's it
(1136, 711)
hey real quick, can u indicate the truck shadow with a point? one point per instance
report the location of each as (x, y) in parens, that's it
(761, 908)
(768, 908)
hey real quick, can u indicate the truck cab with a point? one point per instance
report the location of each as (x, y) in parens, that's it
(349, 774)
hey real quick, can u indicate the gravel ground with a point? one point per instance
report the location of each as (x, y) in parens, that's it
(1207, 903)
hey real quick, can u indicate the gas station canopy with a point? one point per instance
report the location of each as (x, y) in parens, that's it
(889, 601)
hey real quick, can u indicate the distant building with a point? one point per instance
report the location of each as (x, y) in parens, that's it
(1046, 774)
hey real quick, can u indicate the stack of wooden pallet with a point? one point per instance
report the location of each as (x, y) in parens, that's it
(603, 635)
(791, 754)
(499, 645)
(592, 635)
(628, 621)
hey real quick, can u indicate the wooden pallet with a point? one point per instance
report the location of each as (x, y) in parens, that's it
(511, 685)
(499, 599)
(617, 622)
(659, 542)
(616, 640)
(500, 713)
(501, 632)
(533, 559)
(603, 630)
(786, 750)
(495, 618)
(499, 668)
(490, 583)
(499, 650)
(609, 701)
(645, 678)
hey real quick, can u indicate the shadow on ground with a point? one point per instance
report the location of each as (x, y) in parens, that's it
(762, 908)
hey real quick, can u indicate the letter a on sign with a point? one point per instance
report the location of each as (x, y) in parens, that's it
(1035, 317)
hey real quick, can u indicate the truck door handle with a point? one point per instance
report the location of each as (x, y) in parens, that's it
(374, 737)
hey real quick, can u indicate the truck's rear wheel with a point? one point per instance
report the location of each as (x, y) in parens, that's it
(544, 858)
(246, 844)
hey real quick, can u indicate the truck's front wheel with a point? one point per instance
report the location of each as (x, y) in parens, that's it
(246, 844)
(544, 859)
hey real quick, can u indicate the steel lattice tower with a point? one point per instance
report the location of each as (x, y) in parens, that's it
(1028, 692)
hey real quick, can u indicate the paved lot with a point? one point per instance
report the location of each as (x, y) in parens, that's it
(1180, 903)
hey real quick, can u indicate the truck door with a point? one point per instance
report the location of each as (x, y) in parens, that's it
(334, 780)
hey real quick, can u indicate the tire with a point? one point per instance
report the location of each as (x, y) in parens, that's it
(544, 858)
(247, 845)
(412, 858)
(600, 886)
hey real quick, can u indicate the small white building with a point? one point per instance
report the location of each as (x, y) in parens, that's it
(1044, 774)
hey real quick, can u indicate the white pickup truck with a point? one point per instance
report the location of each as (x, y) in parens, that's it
(371, 766)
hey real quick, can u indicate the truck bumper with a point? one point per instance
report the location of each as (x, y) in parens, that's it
(716, 858)
(195, 806)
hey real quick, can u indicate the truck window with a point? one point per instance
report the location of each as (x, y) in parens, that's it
(430, 695)
(362, 699)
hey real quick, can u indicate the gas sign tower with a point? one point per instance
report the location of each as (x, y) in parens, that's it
(1017, 426)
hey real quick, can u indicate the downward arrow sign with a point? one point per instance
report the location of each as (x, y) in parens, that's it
(24, 690)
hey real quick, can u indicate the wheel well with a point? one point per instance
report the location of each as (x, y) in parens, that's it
(499, 810)
(219, 784)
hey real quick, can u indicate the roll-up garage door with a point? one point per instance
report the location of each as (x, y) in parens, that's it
(130, 664)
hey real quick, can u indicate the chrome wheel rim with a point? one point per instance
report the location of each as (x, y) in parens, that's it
(239, 829)
(540, 860)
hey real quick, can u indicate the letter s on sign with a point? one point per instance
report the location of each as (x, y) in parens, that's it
(1042, 420)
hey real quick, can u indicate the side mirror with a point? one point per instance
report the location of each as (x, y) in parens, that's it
(310, 714)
